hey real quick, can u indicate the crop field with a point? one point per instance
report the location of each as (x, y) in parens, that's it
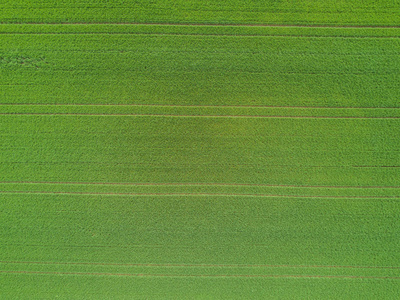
(199, 149)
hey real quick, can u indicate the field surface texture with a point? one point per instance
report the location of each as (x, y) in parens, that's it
(199, 149)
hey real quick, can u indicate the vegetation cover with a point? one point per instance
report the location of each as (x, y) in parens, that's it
(305, 12)
(174, 150)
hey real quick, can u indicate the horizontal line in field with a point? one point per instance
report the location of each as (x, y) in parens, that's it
(199, 184)
(197, 265)
(201, 275)
(196, 195)
(200, 34)
(192, 105)
(158, 165)
(196, 116)
(153, 246)
(210, 25)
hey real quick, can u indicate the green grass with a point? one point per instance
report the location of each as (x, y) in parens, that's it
(175, 29)
(221, 149)
(218, 231)
(96, 287)
(366, 12)
(153, 65)
(166, 161)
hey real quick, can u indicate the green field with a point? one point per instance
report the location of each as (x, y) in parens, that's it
(168, 150)
(187, 65)
(328, 12)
